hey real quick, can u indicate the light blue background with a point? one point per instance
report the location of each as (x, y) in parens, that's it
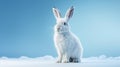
(26, 26)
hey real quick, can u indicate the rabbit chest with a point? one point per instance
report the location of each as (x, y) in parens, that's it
(64, 42)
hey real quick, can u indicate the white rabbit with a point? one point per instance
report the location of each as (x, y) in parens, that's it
(68, 46)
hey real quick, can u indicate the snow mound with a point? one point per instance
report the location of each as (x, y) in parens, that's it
(49, 61)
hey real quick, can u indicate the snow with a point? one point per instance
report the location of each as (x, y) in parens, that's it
(49, 61)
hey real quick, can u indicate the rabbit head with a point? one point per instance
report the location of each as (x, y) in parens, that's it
(62, 24)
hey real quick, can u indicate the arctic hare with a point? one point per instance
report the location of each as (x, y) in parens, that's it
(68, 45)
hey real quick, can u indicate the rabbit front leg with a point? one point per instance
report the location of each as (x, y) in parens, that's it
(65, 58)
(59, 60)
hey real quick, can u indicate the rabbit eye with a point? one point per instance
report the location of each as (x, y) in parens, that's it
(65, 23)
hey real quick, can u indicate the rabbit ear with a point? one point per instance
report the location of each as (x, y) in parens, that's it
(69, 13)
(56, 13)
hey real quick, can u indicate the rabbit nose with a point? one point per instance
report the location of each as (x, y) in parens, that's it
(58, 28)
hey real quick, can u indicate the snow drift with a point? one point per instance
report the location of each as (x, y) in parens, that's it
(49, 61)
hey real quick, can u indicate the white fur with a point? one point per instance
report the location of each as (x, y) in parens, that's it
(67, 44)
